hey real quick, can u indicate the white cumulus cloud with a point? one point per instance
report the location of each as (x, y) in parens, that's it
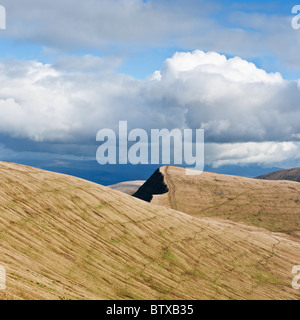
(253, 116)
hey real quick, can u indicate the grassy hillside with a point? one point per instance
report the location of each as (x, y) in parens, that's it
(274, 205)
(65, 238)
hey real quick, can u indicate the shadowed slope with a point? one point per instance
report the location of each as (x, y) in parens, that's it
(274, 205)
(154, 185)
(65, 238)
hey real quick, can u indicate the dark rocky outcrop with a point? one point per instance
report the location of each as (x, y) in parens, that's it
(154, 185)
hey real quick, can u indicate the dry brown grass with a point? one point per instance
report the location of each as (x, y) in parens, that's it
(65, 238)
(274, 205)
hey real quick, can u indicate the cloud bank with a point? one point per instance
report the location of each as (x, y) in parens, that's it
(249, 115)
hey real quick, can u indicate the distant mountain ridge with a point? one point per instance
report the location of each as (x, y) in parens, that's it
(286, 174)
(129, 187)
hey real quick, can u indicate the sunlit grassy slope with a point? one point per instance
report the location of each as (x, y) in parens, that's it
(274, 205)
(65, 238)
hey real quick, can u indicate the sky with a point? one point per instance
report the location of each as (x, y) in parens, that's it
(70, 68)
